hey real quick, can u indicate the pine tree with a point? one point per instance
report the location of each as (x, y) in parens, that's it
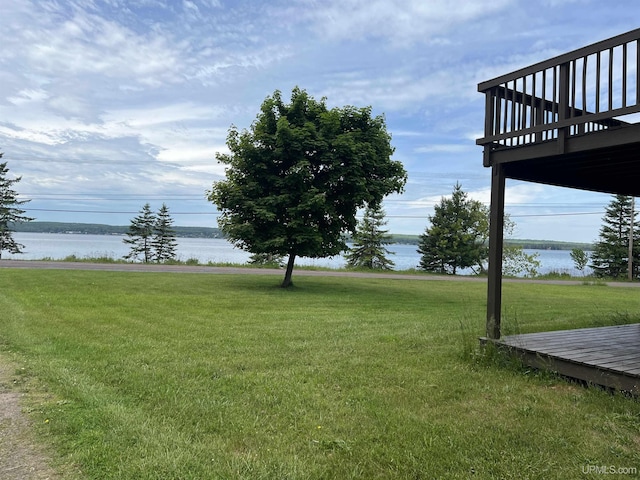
(368, 249)
(10, 211)
(266, 260)
(164, 236)
(456, 237)
(140, 235)
(611, 252)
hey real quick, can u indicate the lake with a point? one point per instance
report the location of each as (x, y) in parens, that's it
(57, 246)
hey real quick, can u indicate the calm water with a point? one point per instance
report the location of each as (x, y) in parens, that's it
(58, 246)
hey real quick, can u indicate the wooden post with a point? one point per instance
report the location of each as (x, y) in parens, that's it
(496, 240)
(631, 233)
(563, 106)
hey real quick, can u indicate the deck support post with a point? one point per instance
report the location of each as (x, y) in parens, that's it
(563, 106)
(496, 240)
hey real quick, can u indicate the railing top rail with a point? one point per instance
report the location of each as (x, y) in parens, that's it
(560, 59)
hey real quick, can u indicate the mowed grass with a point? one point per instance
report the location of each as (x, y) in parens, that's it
(192, 376)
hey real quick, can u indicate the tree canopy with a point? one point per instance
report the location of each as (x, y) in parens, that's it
(10, 211)
(296, 178)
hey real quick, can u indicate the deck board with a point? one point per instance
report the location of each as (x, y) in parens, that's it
(608, 356)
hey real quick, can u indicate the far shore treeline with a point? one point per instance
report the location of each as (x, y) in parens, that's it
(100, 229)
(212, 232)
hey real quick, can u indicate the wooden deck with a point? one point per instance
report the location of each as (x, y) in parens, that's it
(607, 356)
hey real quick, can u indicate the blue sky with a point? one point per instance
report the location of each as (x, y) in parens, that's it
(107, 105)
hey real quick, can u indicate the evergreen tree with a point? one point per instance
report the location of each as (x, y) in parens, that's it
(10, 211)
(456, 237)
(611, 252)
(266, 260)
(368, 249)
(164, 236)
(140, 235)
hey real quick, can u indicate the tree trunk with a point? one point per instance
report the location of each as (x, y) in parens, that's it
(287, 276)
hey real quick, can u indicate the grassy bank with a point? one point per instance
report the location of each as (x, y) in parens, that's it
(147, 376)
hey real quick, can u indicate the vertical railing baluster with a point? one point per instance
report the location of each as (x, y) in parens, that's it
(584, 85)
(637, 72)
(597, 82)
(513, 111)
(610, 103)
(580, 126)
(554, 107)
(572, 76)
(543, 103)
(532, 118)
(524, 107)
(497, 113)
(624, 75)
(505, 125)
(563, 101)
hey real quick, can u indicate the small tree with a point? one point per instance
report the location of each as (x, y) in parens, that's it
(611, 252)
(369, 240)
(516, 262)
(456, 237)
(140, 234)
(10, 211)
(296, 179)
(164, 236)
(266, 260)
(580, 258)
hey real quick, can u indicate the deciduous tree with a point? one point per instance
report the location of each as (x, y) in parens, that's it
(580, 258)
(10, 211)
(369, 240)
(296, 178)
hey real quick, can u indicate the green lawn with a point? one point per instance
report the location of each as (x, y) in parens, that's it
(192, 376)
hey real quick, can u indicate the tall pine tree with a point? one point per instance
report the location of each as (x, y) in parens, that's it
(164, 236)
(140, 234)
(455, 239)
(611, 252)
(369, 240)
(10, 211)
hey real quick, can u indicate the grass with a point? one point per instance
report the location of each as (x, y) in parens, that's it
(191, 376)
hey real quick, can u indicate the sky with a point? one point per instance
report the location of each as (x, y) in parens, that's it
(106, 105)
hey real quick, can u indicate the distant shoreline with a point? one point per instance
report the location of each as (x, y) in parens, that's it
(72, 228)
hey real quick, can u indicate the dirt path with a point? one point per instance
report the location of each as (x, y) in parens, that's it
(21, 457)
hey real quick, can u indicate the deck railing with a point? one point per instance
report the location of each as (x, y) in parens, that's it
(576, 93)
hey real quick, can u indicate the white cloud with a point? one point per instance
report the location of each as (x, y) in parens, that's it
(401, 21)
(446, 148)
(28, 96)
